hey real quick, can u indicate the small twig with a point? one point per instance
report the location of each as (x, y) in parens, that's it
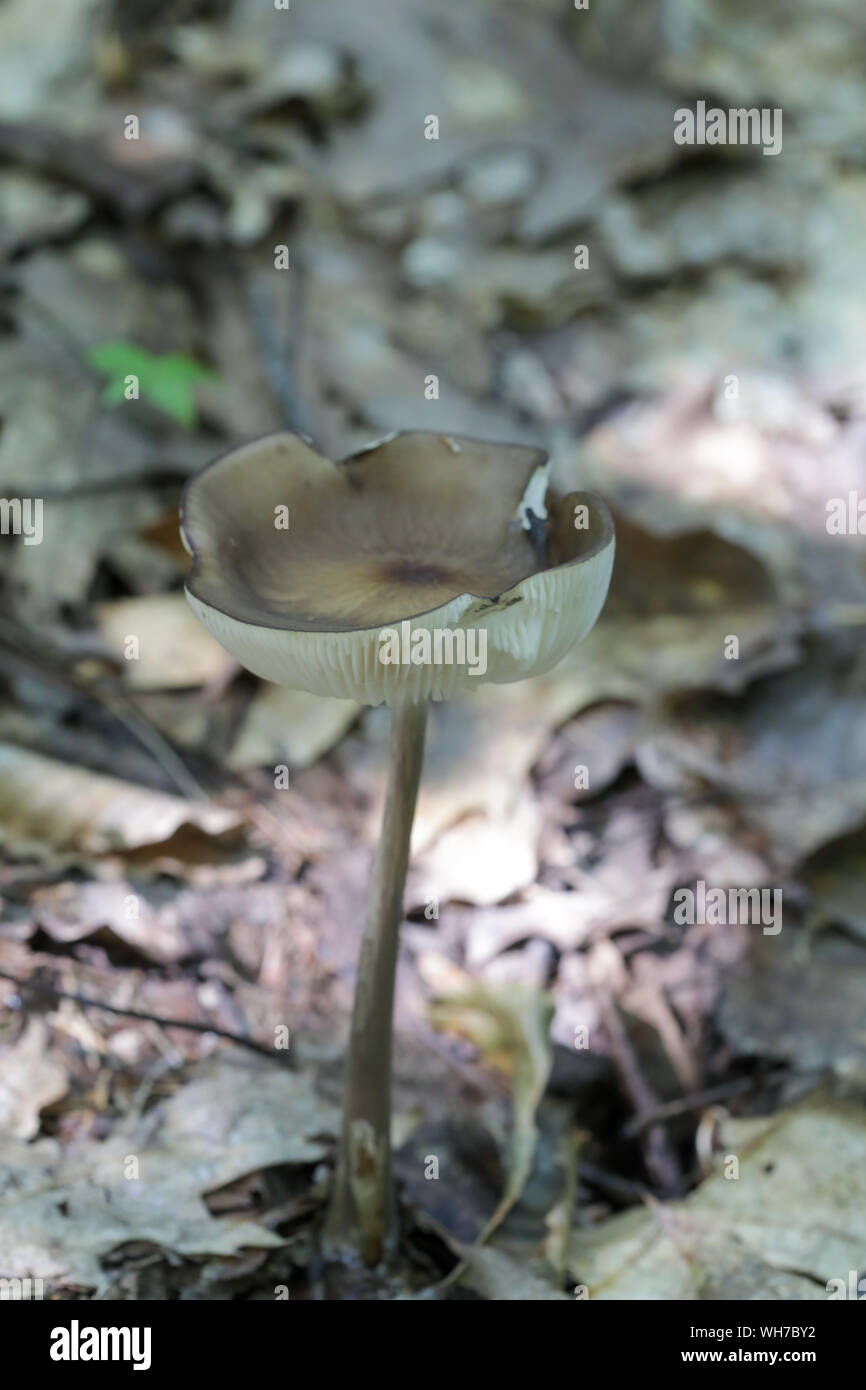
(658, 1151)
(622, 1189)
(480, 1082)
(695, 1101)
(277, 359)
(50, 994)
(151, 739)
(114, 701)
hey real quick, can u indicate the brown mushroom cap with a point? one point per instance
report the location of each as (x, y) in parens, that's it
(422, 528)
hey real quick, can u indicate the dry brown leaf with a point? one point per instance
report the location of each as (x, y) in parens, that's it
(481, 860)
(786, 1225)
(500, 1278)
(510, 1025)
(289, 726)
(160, 644)
(71, 911)
(61, 1211)
(791, 753)
(30, 1079)
(481, 749)
(836, 881)
(799, 997)
(589, 752)
(48, 807)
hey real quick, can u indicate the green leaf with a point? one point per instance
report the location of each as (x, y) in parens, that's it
(167, 382)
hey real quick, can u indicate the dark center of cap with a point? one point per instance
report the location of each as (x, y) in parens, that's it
(413, 572)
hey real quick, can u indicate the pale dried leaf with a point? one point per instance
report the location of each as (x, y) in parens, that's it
(61, 1212)
(30, 1078)
(790, 1222)
(47, 806)
(171, 650)
(291, 727)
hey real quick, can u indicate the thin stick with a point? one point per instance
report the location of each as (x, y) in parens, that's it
(49, 995)
(362, 1215)
(696, 1100)
(661, 1160)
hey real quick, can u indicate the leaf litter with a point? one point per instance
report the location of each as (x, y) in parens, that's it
(150, 860)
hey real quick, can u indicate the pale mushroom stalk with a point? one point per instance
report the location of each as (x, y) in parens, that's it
(362, 1211)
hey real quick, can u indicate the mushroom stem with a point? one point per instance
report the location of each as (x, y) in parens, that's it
(362, 1210)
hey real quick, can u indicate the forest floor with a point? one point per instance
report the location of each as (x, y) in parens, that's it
(241, 207)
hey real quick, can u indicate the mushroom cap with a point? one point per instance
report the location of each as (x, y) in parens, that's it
(306, 569)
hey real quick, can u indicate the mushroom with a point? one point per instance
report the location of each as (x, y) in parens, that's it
(419, 567)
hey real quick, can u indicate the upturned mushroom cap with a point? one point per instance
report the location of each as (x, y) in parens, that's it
(309, 571)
